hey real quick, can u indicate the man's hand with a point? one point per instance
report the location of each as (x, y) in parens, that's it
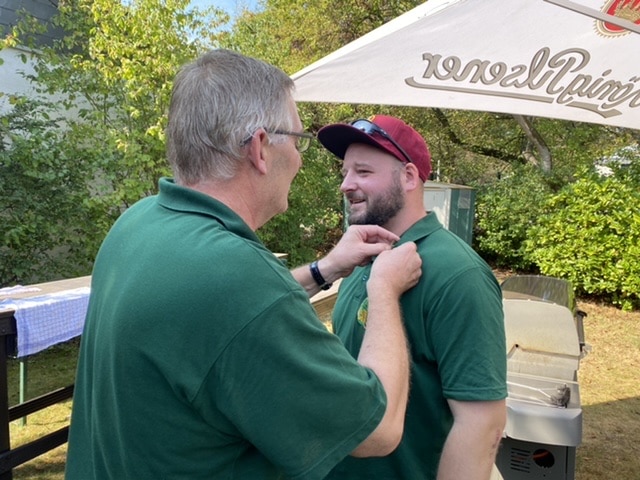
(357, 247)
(395, 271)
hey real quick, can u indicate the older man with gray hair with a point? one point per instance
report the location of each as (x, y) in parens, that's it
(202, 357)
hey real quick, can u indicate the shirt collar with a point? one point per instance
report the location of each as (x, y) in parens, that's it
(421, 229)
(183, 199)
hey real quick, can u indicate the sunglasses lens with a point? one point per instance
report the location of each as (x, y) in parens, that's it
(365, 126)
(370, 128)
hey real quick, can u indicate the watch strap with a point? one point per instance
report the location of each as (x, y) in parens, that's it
(317, 276)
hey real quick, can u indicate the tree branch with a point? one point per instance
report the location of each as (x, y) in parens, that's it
(537, 141)
(479, 149)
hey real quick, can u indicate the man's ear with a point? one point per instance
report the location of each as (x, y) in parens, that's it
(412, 177)
(258, 152)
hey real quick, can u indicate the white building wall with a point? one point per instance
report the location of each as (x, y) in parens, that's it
(11, 11)
(11, 79)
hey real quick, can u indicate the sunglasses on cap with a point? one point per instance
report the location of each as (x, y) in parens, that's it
(370, 128)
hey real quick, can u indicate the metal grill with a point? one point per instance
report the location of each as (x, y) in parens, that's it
(545, 343)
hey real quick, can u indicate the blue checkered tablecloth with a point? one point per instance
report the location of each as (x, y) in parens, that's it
(43, 321)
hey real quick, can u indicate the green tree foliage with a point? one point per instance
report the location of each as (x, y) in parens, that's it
(501, 156)
(513, 195)
(110, 78)
(291, 34)
(47, 211)
(505, 212)
(590, 235)
(114, 70)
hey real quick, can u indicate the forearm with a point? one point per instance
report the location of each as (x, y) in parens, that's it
(304, 277)
(471, 446)
(462, 458)
(384, 350)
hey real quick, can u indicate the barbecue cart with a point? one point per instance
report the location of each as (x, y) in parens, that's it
(545, 343)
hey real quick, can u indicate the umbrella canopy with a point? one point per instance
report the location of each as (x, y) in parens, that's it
(572, 60)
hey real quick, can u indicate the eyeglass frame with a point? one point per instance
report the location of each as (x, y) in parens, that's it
(301, 145)
(373, 128)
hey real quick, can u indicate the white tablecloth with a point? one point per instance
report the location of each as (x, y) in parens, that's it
(43, 321)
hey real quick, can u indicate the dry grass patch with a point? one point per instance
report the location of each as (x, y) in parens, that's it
(49, 466)
(610, 394)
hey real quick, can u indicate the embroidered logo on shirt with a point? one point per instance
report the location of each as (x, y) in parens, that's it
(363, 312)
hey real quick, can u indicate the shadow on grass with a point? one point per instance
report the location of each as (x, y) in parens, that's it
(609, 450)
(49, 466)
(47, 371)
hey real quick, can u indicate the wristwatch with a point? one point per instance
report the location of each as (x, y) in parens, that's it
(317, 276)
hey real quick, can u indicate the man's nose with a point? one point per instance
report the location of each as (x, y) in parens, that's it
(347, 184)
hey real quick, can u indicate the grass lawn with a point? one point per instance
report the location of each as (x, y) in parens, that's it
(610, 393)
(48, 370)
(609, 390)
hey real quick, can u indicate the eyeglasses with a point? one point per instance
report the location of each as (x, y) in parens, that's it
(303, 139)
(370, 128)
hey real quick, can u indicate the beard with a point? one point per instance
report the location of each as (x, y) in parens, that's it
(382, 207)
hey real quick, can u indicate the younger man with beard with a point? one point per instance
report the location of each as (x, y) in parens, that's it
(453, 317)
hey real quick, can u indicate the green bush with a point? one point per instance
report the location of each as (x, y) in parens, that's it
(50, 225)
(590, 235)
(505, 212)
(64, 179)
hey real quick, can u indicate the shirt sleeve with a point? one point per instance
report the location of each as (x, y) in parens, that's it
(468, 338)
(292, 390)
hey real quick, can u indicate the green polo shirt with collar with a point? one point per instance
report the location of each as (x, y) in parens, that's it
(455, 326)
(202, 357)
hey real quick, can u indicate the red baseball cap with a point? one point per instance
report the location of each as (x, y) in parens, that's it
(386, 133)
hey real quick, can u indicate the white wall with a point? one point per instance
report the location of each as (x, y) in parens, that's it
(11, 80)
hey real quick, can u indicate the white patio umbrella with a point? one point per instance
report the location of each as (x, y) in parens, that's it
(573, 60)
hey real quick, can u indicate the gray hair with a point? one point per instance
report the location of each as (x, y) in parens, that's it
(218, 102)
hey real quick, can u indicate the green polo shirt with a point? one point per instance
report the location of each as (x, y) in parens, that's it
(454, 322)
(202, 357)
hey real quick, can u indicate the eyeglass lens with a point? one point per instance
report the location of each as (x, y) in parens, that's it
(302, 144)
